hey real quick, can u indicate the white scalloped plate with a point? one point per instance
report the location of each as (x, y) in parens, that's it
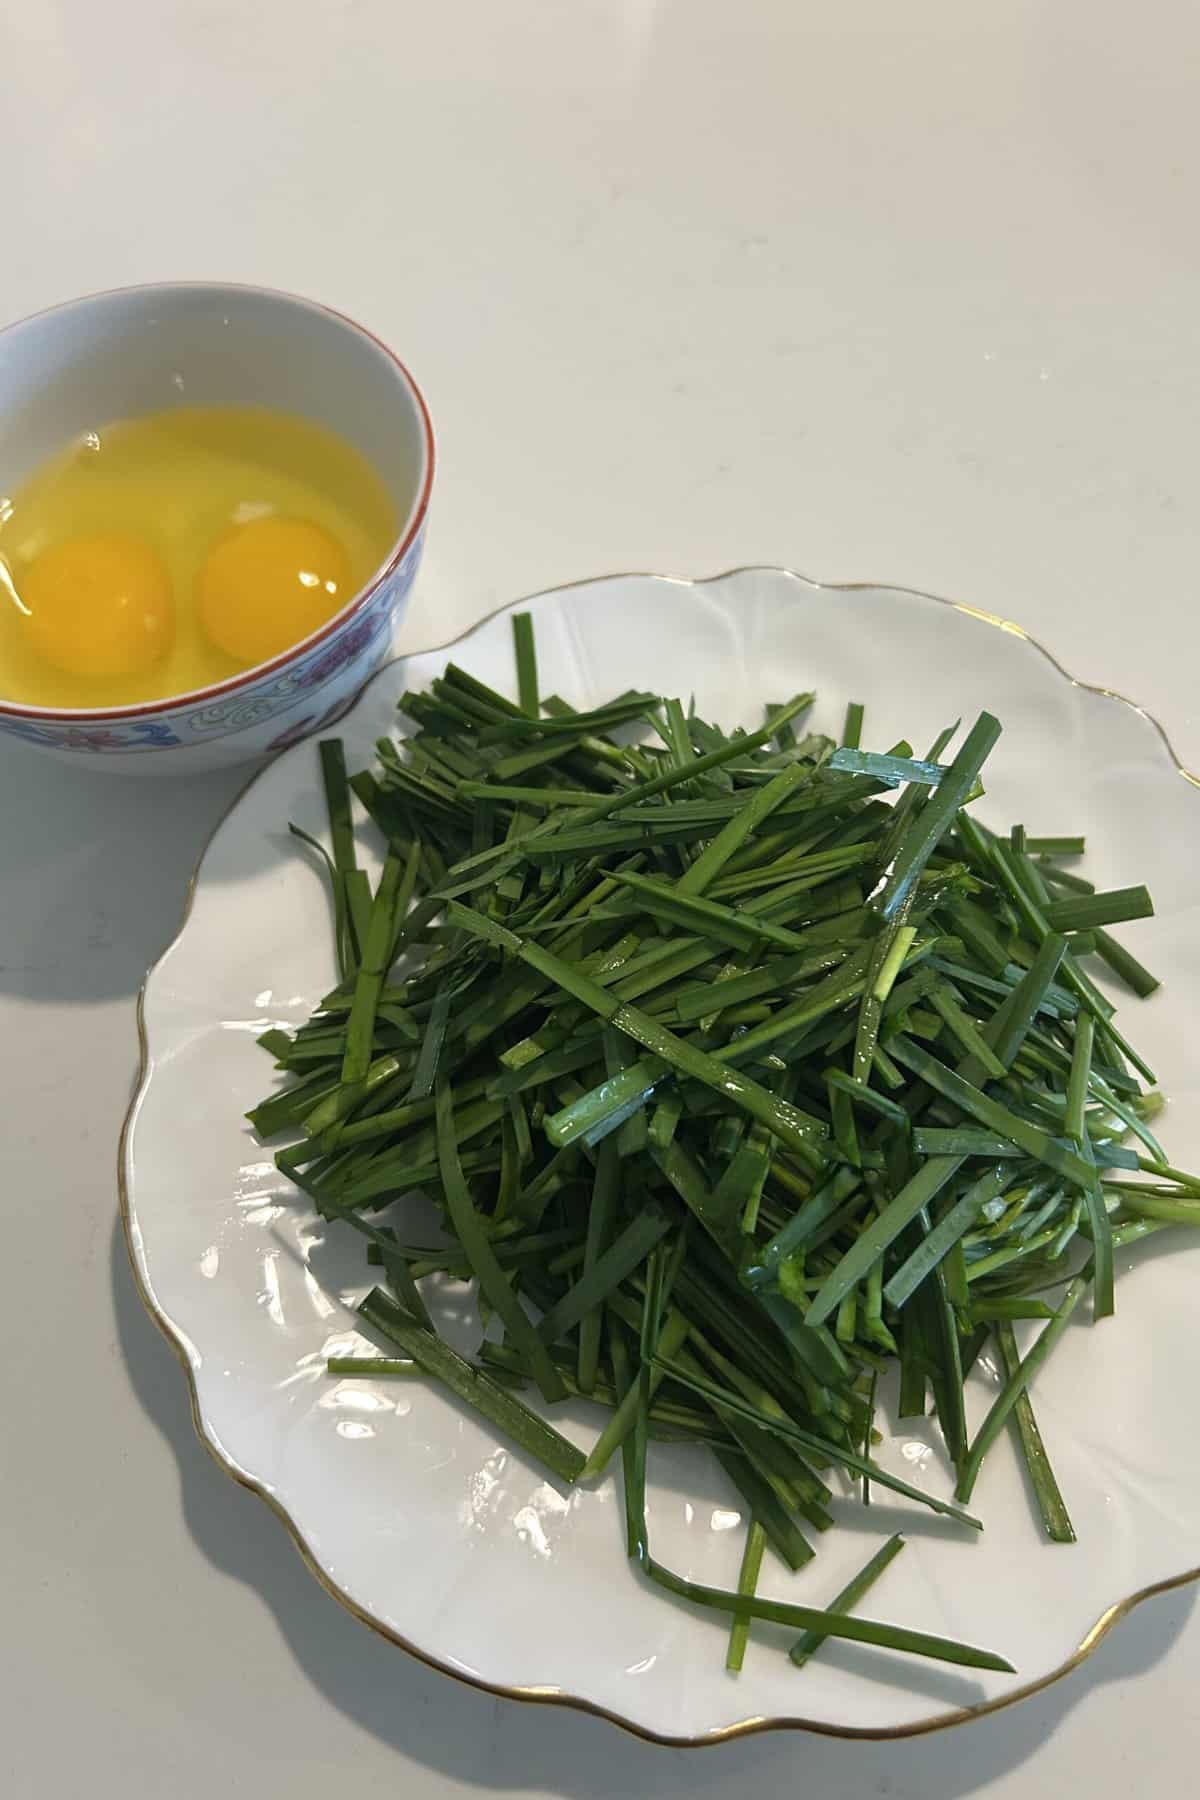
(410, 1510)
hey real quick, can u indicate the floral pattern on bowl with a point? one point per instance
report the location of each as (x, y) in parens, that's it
(143, 348)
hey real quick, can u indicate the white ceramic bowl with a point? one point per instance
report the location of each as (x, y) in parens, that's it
(139, 350)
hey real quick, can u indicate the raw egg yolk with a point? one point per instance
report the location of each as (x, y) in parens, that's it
(266, 585)
(99, 606)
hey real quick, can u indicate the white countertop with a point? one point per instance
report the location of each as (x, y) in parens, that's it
(907, 293)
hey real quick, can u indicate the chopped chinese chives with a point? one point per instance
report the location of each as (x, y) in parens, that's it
(732, 1082)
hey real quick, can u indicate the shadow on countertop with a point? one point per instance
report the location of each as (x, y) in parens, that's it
(96, 867)
(498, 1745)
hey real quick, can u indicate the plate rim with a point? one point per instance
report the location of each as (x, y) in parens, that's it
(1108, 1619)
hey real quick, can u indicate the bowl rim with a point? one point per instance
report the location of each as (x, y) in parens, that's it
(407, 535)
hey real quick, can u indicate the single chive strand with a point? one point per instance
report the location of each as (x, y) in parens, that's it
(1086, 911)
(360, 1029)
(930, 825)
(739, 1630)
(383, 1366)
(852, 729)
(842, 1119)
(849, 1597)
(337, 801)
(868, 1099)
(869, 1434)
(619, 1260)
(1164, 1171)
(713, 858)
(948, 1378)
(1103, 1301)
(1055, 846)
(1080, 1074)
(404, 895)
(527, 670)
(332, 757)
(892, 947)
(938, 1242)
(893, 962)
(1012, 1021)
(358, 910)
(429, 1056)
(880, 1234)
(1126, 966)
(964, 1029)
(472, 1235)
(337, 889)
(607, 1103)
(548, 1448)
(1017, 1383)
(1056, 1520)
(674, 733)
(892, 770)
(601, 1214)
(633, 1450)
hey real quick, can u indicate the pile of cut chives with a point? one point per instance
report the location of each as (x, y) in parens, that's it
(734, 1082)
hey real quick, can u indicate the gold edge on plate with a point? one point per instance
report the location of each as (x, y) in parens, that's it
(549, 1696)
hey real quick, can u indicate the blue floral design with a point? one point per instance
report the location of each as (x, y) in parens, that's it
(139, 734)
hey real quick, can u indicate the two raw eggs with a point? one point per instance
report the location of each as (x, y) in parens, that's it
(162, 554)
